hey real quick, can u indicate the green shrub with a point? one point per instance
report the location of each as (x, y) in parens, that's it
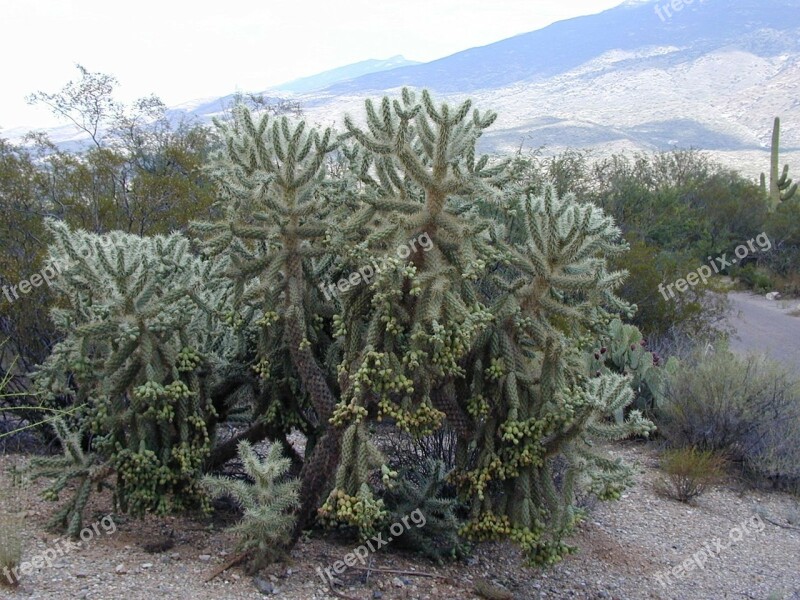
(755, 278)
(746, 407)
(689, 472)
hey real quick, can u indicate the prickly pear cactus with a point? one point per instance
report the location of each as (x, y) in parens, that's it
(624, 350)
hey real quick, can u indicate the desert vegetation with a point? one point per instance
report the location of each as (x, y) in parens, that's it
(375, 321)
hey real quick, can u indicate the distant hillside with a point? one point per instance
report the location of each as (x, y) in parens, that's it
(638, 77)
(711, 76)
(334, 76)
(699, 28)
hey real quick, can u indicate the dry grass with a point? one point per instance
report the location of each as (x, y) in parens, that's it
(689, 473)
(10, 531)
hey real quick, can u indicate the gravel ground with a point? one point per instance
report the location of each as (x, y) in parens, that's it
(624, 547)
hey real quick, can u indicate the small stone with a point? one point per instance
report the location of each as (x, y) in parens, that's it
(81, 574)
(205, 557)
(376, 595)
(263, 586)
(273, 579)
(397, 582)
(120, 570)
(289, 572)
(147, 565)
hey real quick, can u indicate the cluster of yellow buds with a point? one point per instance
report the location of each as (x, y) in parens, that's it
(262, 368)
(188, 359)
(362, 511)
(496, 369)
(478, 406)
(421, 420)
(267, 319)
(348, 413)
(388, 476)
(339, 326)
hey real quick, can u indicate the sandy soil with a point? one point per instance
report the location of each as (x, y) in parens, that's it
(627, 551)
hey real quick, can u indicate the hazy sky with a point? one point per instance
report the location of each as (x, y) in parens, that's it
(186, 50)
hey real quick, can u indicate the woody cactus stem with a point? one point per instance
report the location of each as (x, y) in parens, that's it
(781, 187)
(273, 173)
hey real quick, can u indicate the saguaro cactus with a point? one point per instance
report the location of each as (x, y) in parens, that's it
(781, 187)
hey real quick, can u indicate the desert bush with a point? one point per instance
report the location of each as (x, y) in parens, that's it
(747, 407)
(755, 278)
(406, 451)
(689, 472)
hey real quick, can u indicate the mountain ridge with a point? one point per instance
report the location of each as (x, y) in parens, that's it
(711, 76)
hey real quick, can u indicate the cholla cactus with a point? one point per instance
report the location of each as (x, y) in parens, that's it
(272, 174)
(135, 345)
(76, 464)
(478, 308)
(267, 524)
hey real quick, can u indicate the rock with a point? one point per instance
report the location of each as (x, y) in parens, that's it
(81, 574)
(120, 570)
(773, 296)
(398, 583)
(147, 565)
(376, 595)
(263, 586)
(205, 557)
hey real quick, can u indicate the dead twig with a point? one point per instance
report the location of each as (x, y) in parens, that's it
(337, 593)
(409, 573)
(792, 527)
(230, 564)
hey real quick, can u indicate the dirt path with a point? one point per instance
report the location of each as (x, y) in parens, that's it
(766, 326)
